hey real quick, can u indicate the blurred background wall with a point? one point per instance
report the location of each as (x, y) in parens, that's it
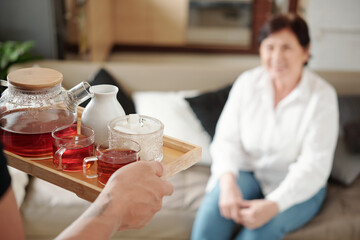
(334, 26)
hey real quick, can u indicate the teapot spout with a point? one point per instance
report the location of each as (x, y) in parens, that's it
(77, 95)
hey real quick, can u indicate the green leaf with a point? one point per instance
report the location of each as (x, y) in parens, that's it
(12, 52)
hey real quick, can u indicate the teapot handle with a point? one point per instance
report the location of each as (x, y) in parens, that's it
(3, 83)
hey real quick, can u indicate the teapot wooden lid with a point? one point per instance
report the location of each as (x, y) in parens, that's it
(35, 78)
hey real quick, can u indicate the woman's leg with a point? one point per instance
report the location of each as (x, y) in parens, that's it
(209, 224)
(287, 221)
(250, 187)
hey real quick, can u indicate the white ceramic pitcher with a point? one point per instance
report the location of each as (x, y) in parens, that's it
(102, 108)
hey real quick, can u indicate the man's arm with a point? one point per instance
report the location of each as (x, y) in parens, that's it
(10, 218)
(129, 200)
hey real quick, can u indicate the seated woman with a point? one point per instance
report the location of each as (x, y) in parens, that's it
(274, 143)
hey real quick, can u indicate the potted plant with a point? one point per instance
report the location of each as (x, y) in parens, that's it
(12, 52)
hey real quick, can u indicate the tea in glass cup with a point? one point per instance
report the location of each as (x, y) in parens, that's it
(110, 156)
(145, 130)
(71, 144)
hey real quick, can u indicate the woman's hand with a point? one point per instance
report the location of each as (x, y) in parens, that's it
(230, 199)
(255, 213)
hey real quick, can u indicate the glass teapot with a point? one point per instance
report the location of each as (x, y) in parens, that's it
(32, 106)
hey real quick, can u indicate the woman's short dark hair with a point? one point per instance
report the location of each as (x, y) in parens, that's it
(286, 21)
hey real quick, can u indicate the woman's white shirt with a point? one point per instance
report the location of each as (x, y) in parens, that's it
(288, 148)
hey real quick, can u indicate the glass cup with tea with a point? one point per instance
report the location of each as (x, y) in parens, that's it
(110, 156)
(71, 144)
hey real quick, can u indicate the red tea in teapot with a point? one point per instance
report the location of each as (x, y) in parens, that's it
(27, 132)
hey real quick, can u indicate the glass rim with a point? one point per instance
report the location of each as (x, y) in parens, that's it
(113, 121)
(101, 149)
(72, 126)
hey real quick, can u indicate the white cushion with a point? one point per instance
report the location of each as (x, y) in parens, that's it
(177, 116)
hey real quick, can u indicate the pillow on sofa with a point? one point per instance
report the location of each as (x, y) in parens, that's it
(346, 166)
(349, 109)
(352, 136)
(208, 107)
(179, 120)
(103, 77)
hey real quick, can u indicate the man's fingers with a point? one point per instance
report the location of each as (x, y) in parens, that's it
(159, 171)
(158, 168)
(168, 188)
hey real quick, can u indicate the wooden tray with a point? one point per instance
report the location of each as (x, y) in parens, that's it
(178, 156)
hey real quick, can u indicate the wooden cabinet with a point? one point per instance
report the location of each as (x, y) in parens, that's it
(157, 23)
(150, 22)
(134, 22)
(100, 28)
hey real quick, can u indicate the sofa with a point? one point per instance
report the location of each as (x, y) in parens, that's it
(159, 90)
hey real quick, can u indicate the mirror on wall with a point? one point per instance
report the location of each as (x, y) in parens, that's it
(217, 22)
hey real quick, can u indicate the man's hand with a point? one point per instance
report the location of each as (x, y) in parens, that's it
(230, 199)
(137, 191)
(255, 213)
(129, 200)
